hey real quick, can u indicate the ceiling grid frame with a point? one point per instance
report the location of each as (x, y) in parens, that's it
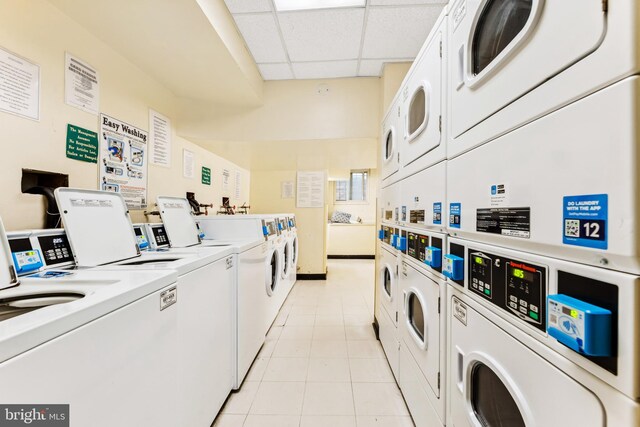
(323, 65)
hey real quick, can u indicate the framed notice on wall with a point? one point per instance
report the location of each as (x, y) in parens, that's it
(310, 188)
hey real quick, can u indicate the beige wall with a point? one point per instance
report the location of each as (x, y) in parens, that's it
(42, 34)
(392, 77)
(293, 110)
(310, 222)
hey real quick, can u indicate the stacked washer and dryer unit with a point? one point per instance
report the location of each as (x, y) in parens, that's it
(535, 202)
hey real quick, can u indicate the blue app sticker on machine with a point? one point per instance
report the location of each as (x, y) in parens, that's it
(437, 213)
(585, 220)
(454, 215)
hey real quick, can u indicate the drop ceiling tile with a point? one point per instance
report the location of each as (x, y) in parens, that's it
(276, 71)
(261, 34)
(325, 70)
(404, 2)
(248, 6)
(322, 35)
(398, 32)
(371, 67)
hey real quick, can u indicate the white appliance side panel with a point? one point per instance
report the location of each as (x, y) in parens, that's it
(204, 341)
(538, 53)
(251, 309)
(98, 226)
(527, 376)
(116, 361)
(178, 221)
(235, 227)
(423, 198)
(584, 149)
(390, 343)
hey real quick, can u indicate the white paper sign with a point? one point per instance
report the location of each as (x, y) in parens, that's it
(286, 190)
(81, 85)
(123, 161)
(19, 86)
(238, 185)
(310, 189)
(160, 138)
(226, 174)
(188, 164)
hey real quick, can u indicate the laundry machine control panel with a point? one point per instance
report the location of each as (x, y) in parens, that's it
(33, 252)
(388, 232)
(141, 237)
(517, 287)
(426, 249)
(158, 239)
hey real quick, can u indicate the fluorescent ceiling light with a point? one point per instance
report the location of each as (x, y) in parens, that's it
(285, 5)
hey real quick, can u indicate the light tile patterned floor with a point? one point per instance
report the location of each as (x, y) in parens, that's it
(321, 365)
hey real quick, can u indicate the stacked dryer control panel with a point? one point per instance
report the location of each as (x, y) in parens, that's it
(509, 257)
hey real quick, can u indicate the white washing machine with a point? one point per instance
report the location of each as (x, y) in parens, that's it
(563, 186)
(75, 337)
(512, 62)
(253, 300)
(285, 273)
(424, 103)
(273, 259)
(531, 339)
(422, 327)
(392, 134)
(294, 246)
(423, 198)
(206, 280)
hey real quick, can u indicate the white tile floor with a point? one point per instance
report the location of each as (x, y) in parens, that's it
(321, 365)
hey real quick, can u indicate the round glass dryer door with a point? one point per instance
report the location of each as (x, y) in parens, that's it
(287, 258)
(273, 276)
(498, 25)
(294, 251)
(417, 113)
(492, 403)
(388, 147)
(387, 281)
(416, 318)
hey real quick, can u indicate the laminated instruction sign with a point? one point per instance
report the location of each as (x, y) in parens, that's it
(123, 161)
(206, 175)
(585, 220)
(82, 144)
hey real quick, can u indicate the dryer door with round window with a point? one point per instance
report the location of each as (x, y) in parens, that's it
(501, 49)
(390, 139)
(423, 107)
(286, 259)
(497, 381)
(272, 272)
(421, 322)
(388, 283)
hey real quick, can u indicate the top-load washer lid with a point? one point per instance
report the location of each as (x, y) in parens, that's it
(8, 275)
(178, 222)
(98, 226)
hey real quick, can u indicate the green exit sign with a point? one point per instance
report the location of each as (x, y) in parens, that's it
(206, 176)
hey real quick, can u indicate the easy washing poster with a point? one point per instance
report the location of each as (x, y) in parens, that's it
(123, 161)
